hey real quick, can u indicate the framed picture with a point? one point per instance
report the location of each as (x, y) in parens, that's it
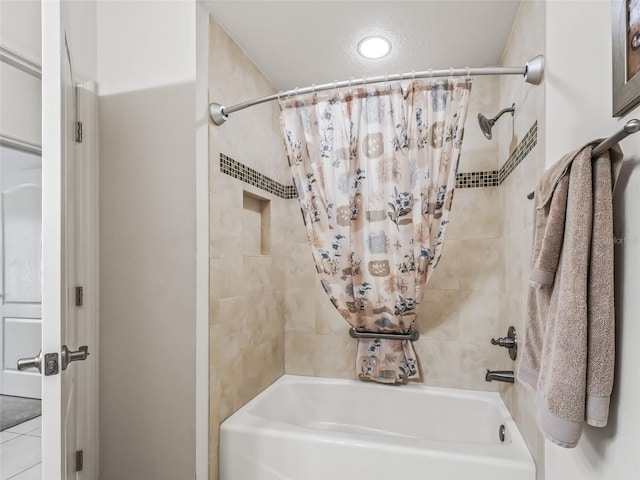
(625, 18)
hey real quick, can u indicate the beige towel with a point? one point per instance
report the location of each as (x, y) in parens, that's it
(568, 353)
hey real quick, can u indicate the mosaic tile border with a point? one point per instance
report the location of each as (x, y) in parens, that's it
(522, 150)
(489, 178)
(477, 179)
(494, 178)
(248, 175)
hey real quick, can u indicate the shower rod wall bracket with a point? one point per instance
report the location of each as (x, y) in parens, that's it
(216, 111)
(534, 69)
(532, 73)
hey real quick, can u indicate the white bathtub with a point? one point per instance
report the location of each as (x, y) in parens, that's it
(305, 428)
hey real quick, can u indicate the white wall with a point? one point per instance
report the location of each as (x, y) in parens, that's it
(578, 109)
(145, 44)
(147, 76)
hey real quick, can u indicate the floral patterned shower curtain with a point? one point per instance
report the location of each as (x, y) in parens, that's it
(375, 171)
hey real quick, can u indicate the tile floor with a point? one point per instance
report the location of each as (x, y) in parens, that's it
(21, 451)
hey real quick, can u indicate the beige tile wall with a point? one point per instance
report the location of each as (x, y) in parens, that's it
(476, 292)
(527, 40)
(247, 287)
(460, 311)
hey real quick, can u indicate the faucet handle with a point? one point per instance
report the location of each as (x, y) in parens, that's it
(504, 342)
(509, 342)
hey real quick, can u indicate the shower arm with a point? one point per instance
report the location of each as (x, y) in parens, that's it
(511, 109)
(532, 72)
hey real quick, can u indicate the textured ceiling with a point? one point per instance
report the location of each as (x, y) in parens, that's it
(299, 43)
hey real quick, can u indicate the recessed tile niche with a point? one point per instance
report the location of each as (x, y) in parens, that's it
(256, 225)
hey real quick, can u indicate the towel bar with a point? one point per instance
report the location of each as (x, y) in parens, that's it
(632, 126)
(413, 335)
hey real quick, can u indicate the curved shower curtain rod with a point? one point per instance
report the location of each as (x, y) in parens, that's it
(532, 72)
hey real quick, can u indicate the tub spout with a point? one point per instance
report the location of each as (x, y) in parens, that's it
(499, 376)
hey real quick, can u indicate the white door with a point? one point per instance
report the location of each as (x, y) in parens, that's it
(21, 269)
(69, 259)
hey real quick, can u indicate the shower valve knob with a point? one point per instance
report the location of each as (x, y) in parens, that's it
(510, 342)
(503, 342)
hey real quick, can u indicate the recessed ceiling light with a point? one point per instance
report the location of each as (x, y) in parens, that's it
(374, 47)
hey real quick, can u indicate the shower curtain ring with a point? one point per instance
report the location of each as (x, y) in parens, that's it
(413, 76)
(468, 73)
(451, 72)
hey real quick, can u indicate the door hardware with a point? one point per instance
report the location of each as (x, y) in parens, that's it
(32, 362)
(79, 132)
(69, 356)
(79, 460)
(50, 363)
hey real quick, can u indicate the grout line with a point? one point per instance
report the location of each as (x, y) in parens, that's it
(20, 473)
(17, 435)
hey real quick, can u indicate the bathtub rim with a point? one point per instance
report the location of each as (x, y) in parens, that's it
(244, 421)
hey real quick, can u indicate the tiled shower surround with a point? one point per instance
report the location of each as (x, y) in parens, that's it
(247, 287)
(269, 314)
(527, 39)
(455, 313)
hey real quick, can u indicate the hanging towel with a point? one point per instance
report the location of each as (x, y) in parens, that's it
(568, 354)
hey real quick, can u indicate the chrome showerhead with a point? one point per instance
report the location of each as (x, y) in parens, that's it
(486, 124)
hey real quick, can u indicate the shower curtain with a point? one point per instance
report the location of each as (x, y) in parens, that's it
(375, 170)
